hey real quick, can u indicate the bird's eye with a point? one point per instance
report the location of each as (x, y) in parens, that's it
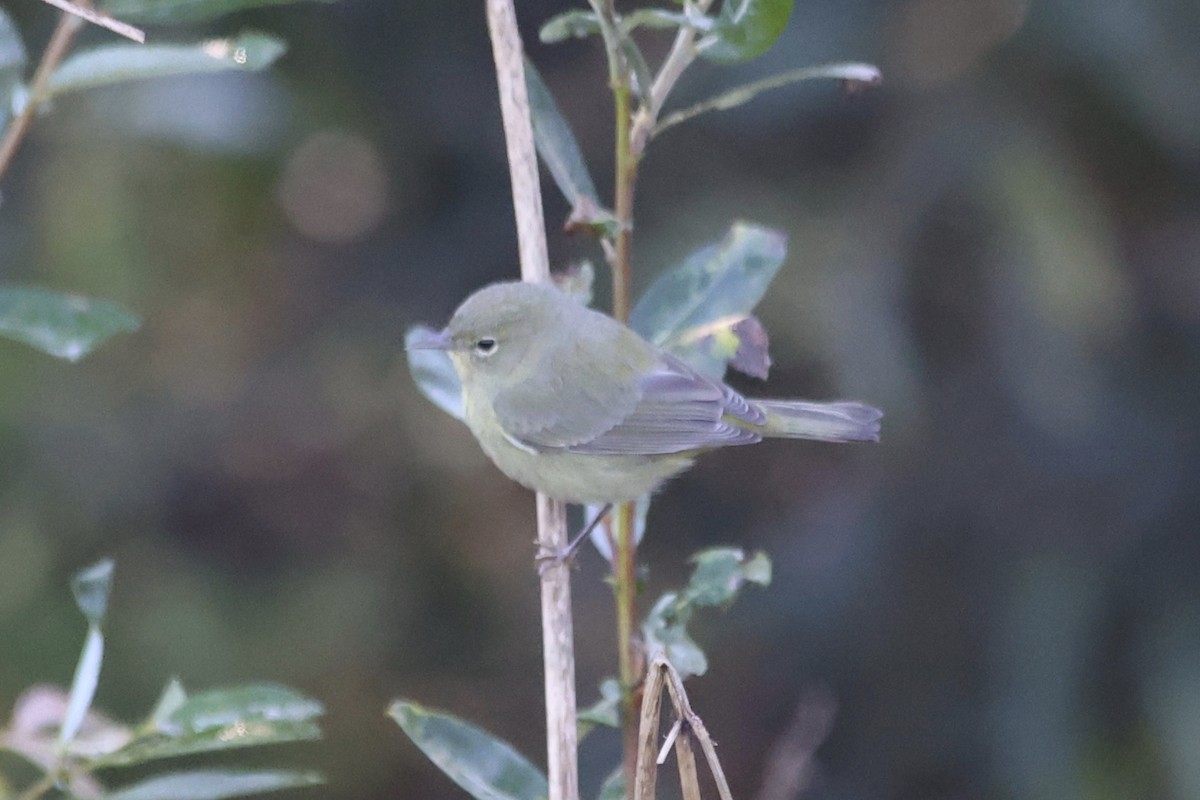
(485, 346)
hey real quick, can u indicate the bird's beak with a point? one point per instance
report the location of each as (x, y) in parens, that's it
(427, 339)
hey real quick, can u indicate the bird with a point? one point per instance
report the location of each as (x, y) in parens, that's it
(569, 402)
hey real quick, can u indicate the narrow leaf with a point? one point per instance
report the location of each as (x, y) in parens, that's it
(83, 685)
(176, 11)
(109, 64)
(655, 18)
(262, 702)
(717, 286)
(91, 587)
(745, 29)
(214, 784)
(486, 767)
(854, 75)
(12, 65)
(159, 744)
(434, 374)
(560, 153)
(574, 24)
(222, 719)
(62, 325)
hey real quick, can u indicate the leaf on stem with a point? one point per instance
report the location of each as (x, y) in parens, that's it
(91, 587)
(169, 11)
(745, 29)
(63, 325)
(661, 19)
(109, 64)
(574, 24)
(221, 719)
(486, 767)
(605, 711)
(854, 76)
(433, 372)
(718, 577)
(560, 153)
(214, 784)
(697, 309)
(12, 65)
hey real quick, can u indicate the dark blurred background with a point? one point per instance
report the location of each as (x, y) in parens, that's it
(998, 247)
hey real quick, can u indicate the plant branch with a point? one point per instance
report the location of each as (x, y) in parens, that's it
(557, 626)
(103, 20)
(864, 75)
(683, 52)
(60, 42)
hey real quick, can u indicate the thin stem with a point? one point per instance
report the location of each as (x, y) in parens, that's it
(60, 42)
(557, 627)
(683, 53)
(625, 588)
(626, 165)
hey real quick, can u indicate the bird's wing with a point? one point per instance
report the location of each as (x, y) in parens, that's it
(670, 408)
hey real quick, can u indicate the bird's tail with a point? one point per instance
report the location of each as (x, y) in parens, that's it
(828, 422)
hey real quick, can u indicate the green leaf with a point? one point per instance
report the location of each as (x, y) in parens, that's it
(260, 702)
(665, 630)
(155, 745)
(560, 153)
(224, 719)
(720, 573)
(715, 288)
(604, 711)
(718, 577)
(214, 784)
(745, 29)
(434, 374)
(12, 65)
(643, 79)
(63, 325)
(658, 18)
(854, 76)
(172, 697)
(168, 11)
(116, 63)
(574, 24)
(487, 768)
(91, 587)
(83, 685)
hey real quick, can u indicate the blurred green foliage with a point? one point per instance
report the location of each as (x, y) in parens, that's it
(997, 247)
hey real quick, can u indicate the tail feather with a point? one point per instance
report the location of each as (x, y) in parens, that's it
(827, 422)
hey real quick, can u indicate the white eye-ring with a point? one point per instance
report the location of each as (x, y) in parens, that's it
(485, 346)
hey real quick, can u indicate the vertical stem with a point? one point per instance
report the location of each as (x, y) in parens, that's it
(625, 587)
(626, 167)
(625, 563)
(558, 652)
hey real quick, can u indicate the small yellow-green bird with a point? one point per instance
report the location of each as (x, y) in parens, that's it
(571, 403)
